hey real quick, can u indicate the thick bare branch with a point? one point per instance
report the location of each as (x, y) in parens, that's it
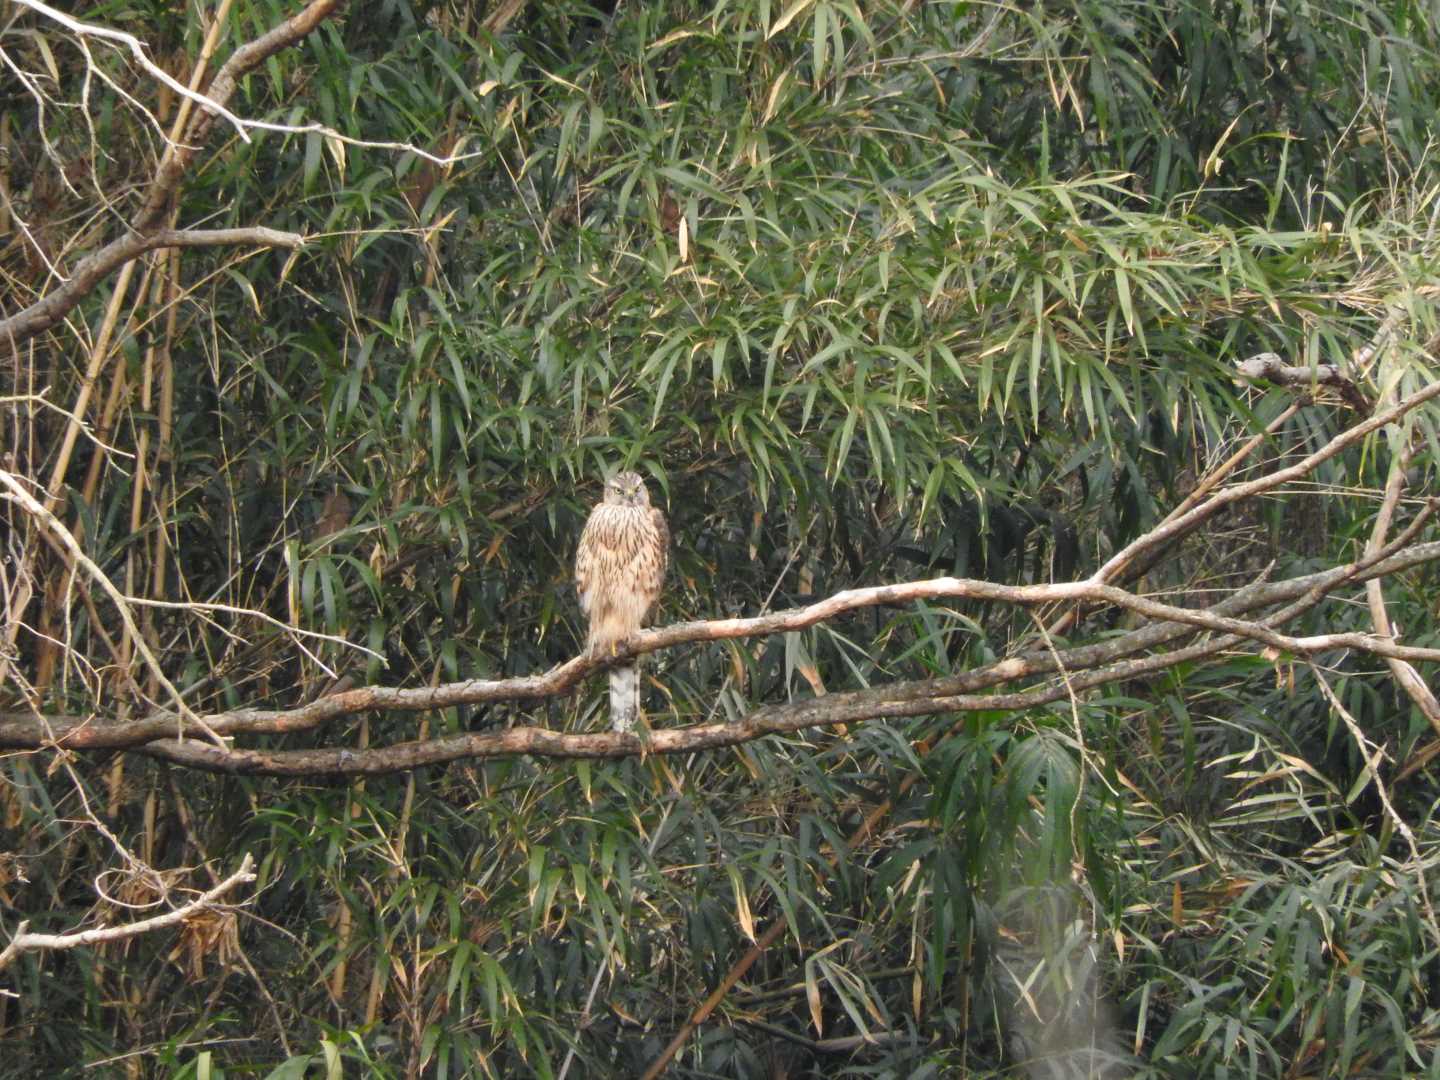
(79, 734)
(162, 733)
(1086, 666)
(926, 697)
(1405, 674)
(179, 156)
(256, 235)
(94, 268)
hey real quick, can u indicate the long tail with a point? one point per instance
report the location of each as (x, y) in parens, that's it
(624, 697)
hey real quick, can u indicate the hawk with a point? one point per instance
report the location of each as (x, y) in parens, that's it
(619, 571)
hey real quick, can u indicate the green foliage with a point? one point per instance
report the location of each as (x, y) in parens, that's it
(869, 292)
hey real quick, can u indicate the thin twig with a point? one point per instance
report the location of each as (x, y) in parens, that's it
(41, 400)
(57, 528)
(1372, 756)
(137, 50)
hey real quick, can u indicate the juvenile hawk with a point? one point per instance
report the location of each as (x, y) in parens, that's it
(619, 571)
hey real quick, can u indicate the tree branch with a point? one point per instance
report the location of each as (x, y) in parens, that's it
(162, 733)
(1268, 367)
(145, 233)
(36, 509)
(24, 941)
(179, 155)
(86, 734)
(1409, 679)
(1086, 666)
(95, 267)
(1347, 438)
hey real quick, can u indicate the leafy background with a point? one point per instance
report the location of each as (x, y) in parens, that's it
(869, 292)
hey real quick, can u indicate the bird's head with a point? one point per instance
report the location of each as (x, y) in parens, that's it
(626, 489)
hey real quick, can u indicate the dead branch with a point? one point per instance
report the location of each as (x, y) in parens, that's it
(24, 941)
(1268, 367)
(1404, 673)
(256, 236)
(137, 50)
(94, 268)
(57, 529)
(163, 733)
(146, 232)
(1124, 567)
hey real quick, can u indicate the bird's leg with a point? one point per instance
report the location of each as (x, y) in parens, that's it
(603, 651)
(608, 650)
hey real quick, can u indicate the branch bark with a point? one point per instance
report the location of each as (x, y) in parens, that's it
(1405, 674)
(36, 509)
(94, 268)
(1268, 367)
(1347, 438)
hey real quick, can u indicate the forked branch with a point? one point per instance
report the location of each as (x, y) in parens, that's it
(146, 231)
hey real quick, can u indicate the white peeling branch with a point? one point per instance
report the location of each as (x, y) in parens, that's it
(146, 231)
(95, 267)
(24, 941)
(1405, 674)
(440, 160)
(137, 50)
(256, 235)
(1299, 593)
